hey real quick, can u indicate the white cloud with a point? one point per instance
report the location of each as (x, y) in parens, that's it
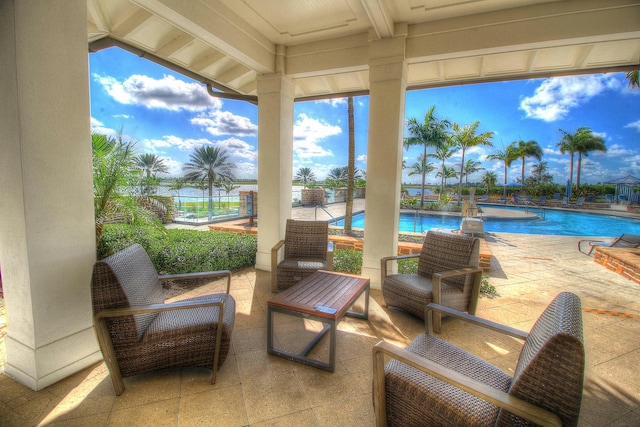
(634, 125)
(237, 148)
(334, 102)
(307, 134)
(554, 98)
(225, 123)
(167, 93)
(171, 141)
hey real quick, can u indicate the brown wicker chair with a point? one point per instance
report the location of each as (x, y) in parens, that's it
(138, 332)
(448, 274)
(306, 250)
(432, 382)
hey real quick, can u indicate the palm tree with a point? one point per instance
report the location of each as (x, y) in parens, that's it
(348, 214)
(507, 156)
(422, 168)
(151, 164)
(539, 173)
(447, 172)
(633, 78)
(443, 152)
(569, 144)
(489, 179)
(431, 133)
(114, 163)
(528, 149)
(228, 187)
(471, 167)
(306, 176)
(209, 164)
(587, 142)
(176, 185)
(465, 137)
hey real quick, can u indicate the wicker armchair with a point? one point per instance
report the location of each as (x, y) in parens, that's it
(305, 249)
(432, 382)
(448, 274)
(138, 332)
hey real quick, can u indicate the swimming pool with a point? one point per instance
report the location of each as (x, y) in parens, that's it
(555, 222)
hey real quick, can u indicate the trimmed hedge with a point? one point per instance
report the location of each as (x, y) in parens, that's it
(182, 251)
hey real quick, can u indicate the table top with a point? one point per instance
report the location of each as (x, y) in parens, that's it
(322, 293)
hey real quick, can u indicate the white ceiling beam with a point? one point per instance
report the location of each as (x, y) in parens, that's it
(216, 25)
(381, 20)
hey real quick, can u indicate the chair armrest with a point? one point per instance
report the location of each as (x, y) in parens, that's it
(498, 327)
(330, 256)
(436, 281)
(201, 275)
(497, 397)
(274, 265)
(157, 308)
(385, 260)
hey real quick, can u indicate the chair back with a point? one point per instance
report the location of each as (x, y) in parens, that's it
(550, 370)
(124, 279)
(443, 251)
(306, 240)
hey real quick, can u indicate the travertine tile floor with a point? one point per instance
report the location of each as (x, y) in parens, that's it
(256, 389)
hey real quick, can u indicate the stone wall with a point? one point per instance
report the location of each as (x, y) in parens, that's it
(312, 196)
(623, 261)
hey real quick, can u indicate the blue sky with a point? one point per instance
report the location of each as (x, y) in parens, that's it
(170, 115)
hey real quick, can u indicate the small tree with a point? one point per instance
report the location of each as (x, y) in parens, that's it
(305, 176)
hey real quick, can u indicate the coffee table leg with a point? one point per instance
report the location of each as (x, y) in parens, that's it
(365, 313)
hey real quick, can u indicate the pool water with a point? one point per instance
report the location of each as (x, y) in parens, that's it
(555, 222)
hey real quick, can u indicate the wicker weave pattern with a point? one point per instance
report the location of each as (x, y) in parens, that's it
(549, 374)
(185, 337)
(555, 347)
(440, 252)
(305, 251)
(418, 399)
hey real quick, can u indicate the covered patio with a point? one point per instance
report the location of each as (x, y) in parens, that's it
(273, 55)
(254, 388)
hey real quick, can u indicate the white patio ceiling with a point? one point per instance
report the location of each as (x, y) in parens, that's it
(324, 45)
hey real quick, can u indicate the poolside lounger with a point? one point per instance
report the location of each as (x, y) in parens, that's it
(624, 241)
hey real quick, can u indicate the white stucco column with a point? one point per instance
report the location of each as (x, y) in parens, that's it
(47, 234)
(387, 80)
(275, 148)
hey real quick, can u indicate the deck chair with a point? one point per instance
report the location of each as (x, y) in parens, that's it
(608, 198)
(305, 249)
(448, 274)
(624, 241)
(433, 382)
(578, 204)
(543, 200)
(138, 332)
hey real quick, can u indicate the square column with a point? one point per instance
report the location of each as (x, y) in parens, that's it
(275, 159)
(47, 232)
(387, 80)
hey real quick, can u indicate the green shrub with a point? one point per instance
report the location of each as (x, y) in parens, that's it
(408, 266)
(183, 251)
(347, 261)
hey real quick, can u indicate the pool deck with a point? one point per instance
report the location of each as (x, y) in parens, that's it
(256, 389)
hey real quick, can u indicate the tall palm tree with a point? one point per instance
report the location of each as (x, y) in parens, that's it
(587, 142)
(431, 133)
(465, 137)
(445, 173)
(228, 187)
(443, 152)
(306, 176)
(470, 167)
(151, 164)
(348, 214)
(176, 185)
(209, 164)
(508, 155)
(528, 149)
(569, 144)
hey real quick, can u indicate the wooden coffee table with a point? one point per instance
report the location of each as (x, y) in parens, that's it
(324, 296)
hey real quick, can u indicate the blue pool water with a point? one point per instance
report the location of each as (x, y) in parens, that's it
(555, 222)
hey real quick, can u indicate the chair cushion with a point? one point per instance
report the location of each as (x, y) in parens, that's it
(415, 398)
(409, 292)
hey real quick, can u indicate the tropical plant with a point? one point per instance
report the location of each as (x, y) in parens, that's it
(465, 137)
(431, 133)
(587, 142)
(508, 155)
(178, 184)
(151, 164)
(228, 187)
(114, 176)
(470, 167)
(445, 173)
(528, 149)
(489, 179)
(633, 78)
(443, 152)
(305, 176)
(539, 175)
(422, 168)
(338, 175)
(209, 164)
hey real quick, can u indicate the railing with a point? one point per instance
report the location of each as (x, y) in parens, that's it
(315, 212)
(530, 203)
